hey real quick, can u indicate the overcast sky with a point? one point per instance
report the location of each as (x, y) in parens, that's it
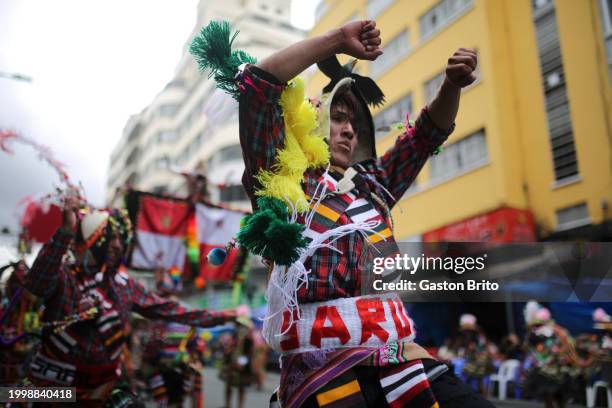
(93, 64)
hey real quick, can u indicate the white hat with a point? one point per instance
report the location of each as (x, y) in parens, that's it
(92, 227)
(535, 313)
(467, 321)
(600, 316)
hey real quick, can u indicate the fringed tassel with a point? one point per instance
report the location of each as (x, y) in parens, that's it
(212, 49)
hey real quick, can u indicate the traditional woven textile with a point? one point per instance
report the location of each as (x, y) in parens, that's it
(407, 385)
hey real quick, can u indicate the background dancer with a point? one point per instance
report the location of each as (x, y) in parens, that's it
(87, 304)
(19, 321)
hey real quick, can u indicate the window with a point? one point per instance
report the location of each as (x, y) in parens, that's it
(161, 162)
(459, 157)
(133, 156)
(430, 88)
(606, 23)
(572, 217)
(375, 7)
(135, 132)
(184, 155)
(168, 110)
(441, 15)
(230, 153)
(199, 139)
(394, 113)
(560, 132)
(394, 52)
(233, 193)
(540, 4)
(166, 136)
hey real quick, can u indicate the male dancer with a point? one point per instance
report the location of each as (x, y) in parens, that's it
(324, 360)
(87, 304)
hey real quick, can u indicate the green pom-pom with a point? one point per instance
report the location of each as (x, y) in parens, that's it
(285, 240)
(212, 49)
(268, 233)
(252, 235)
(274, 204)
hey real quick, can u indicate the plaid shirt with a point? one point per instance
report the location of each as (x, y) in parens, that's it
(67, 290)
(333, 274)
(262, 134)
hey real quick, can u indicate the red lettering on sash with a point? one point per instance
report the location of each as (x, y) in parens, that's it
(371, 312)
(337, 329)
(290, 339)
(402, 324)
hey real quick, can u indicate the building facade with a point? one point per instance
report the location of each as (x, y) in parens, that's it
(190, 126)
(532, 148)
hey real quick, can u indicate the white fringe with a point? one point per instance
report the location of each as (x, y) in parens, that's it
(286, 281)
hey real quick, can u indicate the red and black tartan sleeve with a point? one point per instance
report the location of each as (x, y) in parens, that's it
(47, 276)
(262, 130)
(152, 306)
(401, 164)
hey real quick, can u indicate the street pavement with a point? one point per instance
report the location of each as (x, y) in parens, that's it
(214, 390)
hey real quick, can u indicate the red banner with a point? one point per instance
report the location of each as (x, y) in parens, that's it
(163, 234)
(501, 225)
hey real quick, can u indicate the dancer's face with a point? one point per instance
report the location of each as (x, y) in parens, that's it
(115, 250)
(343, 135)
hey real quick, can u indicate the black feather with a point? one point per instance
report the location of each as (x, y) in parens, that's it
(370, 92)
(333, 70)
(367, 88)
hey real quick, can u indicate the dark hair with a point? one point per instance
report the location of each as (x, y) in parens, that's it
(359, 120)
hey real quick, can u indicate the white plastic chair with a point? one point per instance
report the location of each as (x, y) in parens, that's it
(591, 393)
(507, 373)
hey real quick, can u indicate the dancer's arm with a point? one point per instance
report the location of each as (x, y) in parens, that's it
(460, 72)
(400, 165)
(47, 275)
(152, 306)
(359, 39)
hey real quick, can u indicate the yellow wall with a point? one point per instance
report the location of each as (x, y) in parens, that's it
(508, 103)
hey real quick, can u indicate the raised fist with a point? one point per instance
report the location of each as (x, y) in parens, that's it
(461, 67)
(361, 39)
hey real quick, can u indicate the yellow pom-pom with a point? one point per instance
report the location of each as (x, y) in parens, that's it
(316, 150)
(292, 96)
(285, 188)
(303, 149)
(303, 120)
(291, 160)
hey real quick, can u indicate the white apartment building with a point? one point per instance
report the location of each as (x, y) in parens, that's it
(190, 125)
